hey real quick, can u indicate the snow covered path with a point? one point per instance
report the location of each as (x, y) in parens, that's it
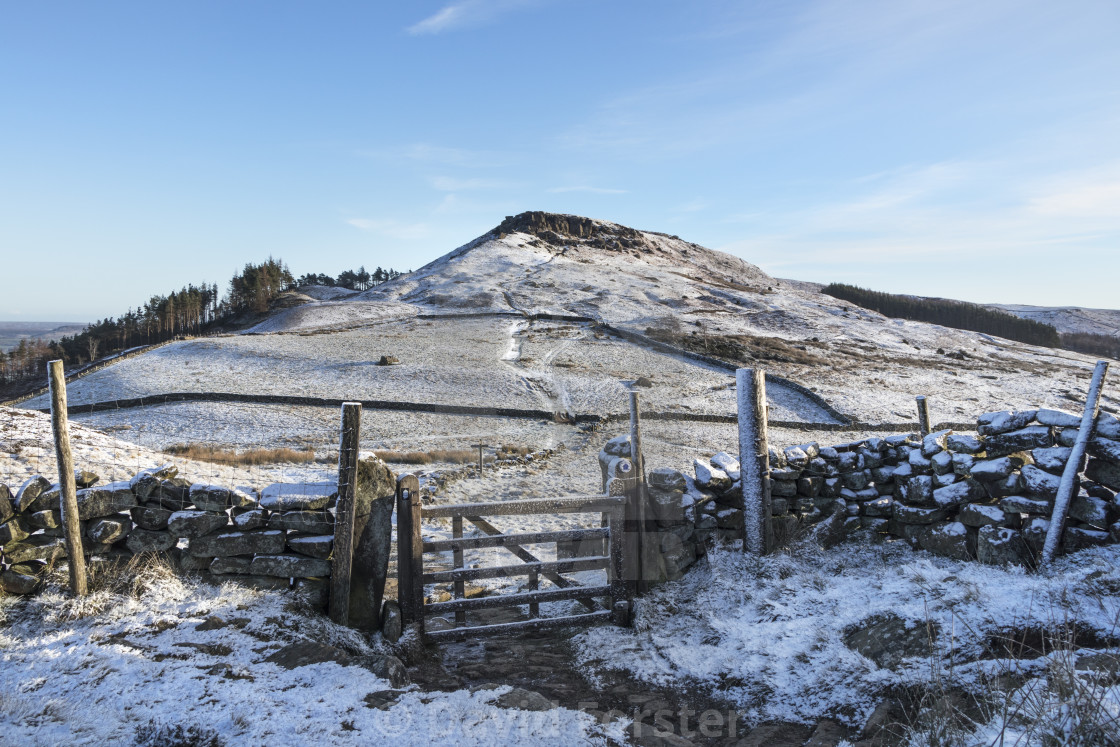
(246, 667)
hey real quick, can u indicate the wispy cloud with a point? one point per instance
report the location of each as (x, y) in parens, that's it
(466, 14)
(1089, 196)
(980, 230)
(391, 228)
(437, 154)
(692, 206)
(451, 184)
(590, 190)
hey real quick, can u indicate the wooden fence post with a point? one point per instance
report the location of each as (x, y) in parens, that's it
(72, 527)
(636, 505)
(410, 551)
(621, 598)
(1069, 474)
(342, 556)
(923, 414)
(754, 461)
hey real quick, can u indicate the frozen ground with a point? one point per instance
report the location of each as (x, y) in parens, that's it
(242, 426)
(196, 656)
(486, 362)
(27, 449)
(769, 634)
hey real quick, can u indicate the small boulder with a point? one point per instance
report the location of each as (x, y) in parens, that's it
(993, 423)
(888, 640)
(961, 443)
(710, 477)
(1105, 473)
(30, 490)
(1058, 418)
(1091, 511)
(142, 540)
(1040, 483)
(1017, 504)
(950, 540)
(191, 524)
(1052, 459)
(1000, 546)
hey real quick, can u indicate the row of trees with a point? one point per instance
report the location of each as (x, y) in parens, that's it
(27, 359)
(255, 287)
(955, 314)
(190, 311)
(359, 280)
(1104, 346)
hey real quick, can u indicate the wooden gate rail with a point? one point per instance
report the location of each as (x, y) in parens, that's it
(501, 540)
(509, 600)
(529, 557)
(412, 577)
(522, 569)
(572, 504)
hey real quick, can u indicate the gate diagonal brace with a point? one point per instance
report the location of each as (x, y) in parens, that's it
(528, 557)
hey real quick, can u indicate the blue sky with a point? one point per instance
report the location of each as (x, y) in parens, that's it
(963, 149)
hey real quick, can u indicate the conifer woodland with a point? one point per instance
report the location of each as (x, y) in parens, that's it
(948, 313)
(191, 310)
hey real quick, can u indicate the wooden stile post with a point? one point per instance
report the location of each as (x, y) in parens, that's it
(73, 528)
(636, 507)
(1069, 474)
(410, 551)
(754, 461)
(342, 557)
(460, 586)
(622, 597)
(923, 414)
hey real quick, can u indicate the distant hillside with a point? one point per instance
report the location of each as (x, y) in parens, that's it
(1068, 319)
(12, 332)
(948, 313)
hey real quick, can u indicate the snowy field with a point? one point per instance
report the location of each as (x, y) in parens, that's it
(487, 362)
(768, 634)
(193, 656)
(244, 426)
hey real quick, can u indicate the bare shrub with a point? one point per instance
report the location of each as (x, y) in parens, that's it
(453, 456)
(1058, 705)
(249, 457)
(155, 734)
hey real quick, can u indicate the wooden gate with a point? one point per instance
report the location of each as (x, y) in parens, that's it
(412, 577)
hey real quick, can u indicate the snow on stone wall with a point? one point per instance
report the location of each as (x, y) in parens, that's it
(986, 497)
(285, 532)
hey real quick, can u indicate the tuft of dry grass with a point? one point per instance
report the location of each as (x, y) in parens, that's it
(453, 456)
(249, 457)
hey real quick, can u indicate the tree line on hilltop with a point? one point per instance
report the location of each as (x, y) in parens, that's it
(192, 310)
(976, 318)
(947, 313)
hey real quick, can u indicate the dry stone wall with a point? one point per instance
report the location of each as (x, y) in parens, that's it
(284, 532)
(986, 497)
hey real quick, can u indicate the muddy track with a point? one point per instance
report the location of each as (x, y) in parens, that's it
(543, 663)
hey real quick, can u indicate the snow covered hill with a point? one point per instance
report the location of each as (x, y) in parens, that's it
(860, 361)
(1069, 319)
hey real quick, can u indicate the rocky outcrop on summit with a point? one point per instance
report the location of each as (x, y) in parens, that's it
(559, 230)
(566, 264)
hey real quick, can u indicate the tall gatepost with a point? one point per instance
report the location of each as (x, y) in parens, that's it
(342, 556)
(1067, 486)
(754, 461)
(638, 545)
(71, 526)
